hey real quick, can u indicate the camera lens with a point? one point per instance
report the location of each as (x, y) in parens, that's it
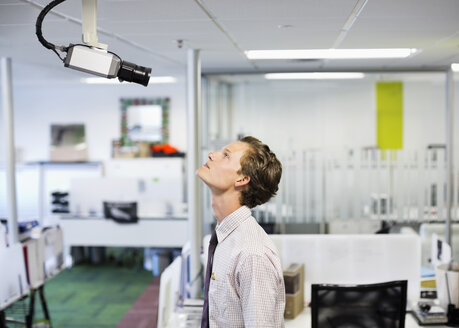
(134, 73)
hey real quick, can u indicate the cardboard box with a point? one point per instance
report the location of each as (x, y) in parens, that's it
(68, 154)
(294, 290)
(292, 283)
(294, 304)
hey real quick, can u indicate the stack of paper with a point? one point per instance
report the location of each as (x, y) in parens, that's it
(429, 313)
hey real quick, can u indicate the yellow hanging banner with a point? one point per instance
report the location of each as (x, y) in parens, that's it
(389, 118)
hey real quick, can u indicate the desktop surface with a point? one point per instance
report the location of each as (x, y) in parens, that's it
(106, 232)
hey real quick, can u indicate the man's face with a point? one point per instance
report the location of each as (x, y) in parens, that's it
(220, 172)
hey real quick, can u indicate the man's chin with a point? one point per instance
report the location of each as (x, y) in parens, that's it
(201, 173)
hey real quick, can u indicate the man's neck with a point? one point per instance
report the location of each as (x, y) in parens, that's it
(223, 205)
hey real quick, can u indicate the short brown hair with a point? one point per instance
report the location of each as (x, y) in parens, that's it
(264, 169)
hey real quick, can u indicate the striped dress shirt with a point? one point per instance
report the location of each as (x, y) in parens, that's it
(247, 285)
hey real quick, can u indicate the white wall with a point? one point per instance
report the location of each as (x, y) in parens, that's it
(337, 114)
(284, 114)
(36, 107)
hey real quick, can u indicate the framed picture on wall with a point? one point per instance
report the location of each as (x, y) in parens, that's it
(144, 120)
(68, 143)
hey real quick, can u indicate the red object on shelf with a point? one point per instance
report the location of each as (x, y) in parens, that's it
(165, 148)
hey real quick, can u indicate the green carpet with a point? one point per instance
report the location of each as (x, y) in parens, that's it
(92, 295)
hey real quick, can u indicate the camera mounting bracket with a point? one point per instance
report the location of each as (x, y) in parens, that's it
(89, 24)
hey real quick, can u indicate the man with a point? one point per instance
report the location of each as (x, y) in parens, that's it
(246, 281)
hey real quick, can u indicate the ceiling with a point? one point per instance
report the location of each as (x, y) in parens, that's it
(146, 32)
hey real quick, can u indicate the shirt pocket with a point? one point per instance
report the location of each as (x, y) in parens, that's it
(218, 298)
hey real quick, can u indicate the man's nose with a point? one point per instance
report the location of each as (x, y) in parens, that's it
(211, 156)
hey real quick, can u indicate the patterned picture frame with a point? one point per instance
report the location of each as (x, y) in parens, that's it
(125, 103)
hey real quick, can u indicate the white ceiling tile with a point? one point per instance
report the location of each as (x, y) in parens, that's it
(265, 34)
(143, 32)
(18, 14)
(129, 11)
(276, 9)
(154, 27)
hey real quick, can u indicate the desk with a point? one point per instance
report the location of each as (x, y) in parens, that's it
(303, 320)
(79, 231)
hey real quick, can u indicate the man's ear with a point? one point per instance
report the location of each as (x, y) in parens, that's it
(242, 181)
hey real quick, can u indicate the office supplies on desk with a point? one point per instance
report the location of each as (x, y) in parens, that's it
(447, 281)
(448, 290)
(25, 229)
(3, 233)
(294, 290)
(429, 312)
(60, 202)
(428, 287)
(53, 251)
(453, 315)
(441, 251)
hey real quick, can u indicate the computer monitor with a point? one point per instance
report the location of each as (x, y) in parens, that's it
(379, 305)
(122, 212)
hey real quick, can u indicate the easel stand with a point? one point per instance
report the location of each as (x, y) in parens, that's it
(44, 306)
(2, 319)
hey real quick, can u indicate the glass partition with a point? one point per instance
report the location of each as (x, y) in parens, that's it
(335, 167)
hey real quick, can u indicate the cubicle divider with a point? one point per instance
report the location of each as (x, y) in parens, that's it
(354, 259)
(328, 259)
(351, 259)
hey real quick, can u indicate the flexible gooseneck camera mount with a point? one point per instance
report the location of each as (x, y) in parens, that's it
(92, 57)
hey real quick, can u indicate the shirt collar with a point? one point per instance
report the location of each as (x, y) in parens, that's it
(231, 222)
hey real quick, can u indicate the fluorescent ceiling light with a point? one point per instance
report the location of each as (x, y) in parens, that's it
(314, 76)
(329, 53)
(153, 80)
(455, 67)
(162, 79)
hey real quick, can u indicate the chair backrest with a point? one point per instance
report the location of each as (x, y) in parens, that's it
(359, 306)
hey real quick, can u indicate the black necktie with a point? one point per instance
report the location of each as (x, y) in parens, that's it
(205, 311)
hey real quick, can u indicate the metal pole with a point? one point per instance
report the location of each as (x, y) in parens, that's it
(193, 163)
(205, 193)
(8, 122)
(449, 153)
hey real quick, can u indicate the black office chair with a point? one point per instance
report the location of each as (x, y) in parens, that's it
(381, 305)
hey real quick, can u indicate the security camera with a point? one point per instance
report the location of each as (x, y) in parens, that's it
(106, 64)
(92, 56)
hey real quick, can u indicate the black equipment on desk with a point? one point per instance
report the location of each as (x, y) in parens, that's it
(453, 316)
(60, 202)
(359, 306)
(121, 212)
